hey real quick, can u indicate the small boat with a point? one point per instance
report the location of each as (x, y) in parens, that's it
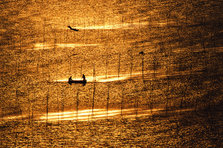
(72, 28)
(84, 81)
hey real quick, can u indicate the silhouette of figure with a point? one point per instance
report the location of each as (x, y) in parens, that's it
(83, 77)
(72, 28)
(70, 80)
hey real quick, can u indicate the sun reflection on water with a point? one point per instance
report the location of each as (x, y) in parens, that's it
(15, 117)
(115, 26)
(86, 115)
(103, 78)
(95, 114)
(100, 114)
(40, 46)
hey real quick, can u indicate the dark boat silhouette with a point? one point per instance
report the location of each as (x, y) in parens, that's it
(84, 81)
(141, 52)
(72, 28)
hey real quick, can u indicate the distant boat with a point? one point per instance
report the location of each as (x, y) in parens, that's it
(84, 81)
(141, 52)
(72, 28)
